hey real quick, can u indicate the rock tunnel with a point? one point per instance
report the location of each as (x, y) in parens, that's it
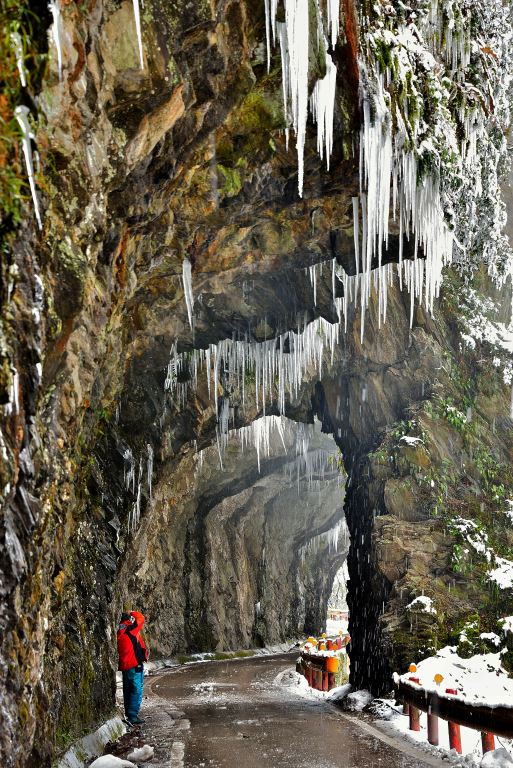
(207, 420)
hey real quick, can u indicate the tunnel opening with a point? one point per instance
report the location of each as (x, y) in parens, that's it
(278, 510)
(337, 616)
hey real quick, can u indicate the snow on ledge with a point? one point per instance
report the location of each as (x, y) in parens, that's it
(92, 745)
(422, 603)
(479, 680)
(502, 574)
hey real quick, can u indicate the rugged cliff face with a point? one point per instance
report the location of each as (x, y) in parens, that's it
(105, 501)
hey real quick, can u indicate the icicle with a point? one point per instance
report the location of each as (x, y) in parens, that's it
(356, 232)
(219, 451)
(187, 289)
(293, 36)
(313, 280)
(149, 467)
(297, 24)
(22, 113)
(137, 18)
(18, 50)
(386, 169)
(322, 106)
(56, 32)
(333, 20)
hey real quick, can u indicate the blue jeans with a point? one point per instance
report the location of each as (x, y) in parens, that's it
(133, 682)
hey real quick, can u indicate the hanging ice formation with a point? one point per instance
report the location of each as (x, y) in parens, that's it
(149, 467)
(18, 50)
(329, 538)
(294, 39)
(388, 173)
(56, 32)
(258, 435)
(133, 477)
(22, 114)
(389, 179)
(278, 365)
(13, 404)
(137, 18)
(187, 289)
(311, 465)
(402, 157)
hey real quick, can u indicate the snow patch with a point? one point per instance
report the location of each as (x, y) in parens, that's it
(502, 574)
(93, 744)
(357, 700)
(410, 440)
(111, 761)
(141, 754)
(498, 758)
(478, 680)
(422, 603)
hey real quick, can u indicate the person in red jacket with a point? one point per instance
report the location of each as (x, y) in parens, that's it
(132, 655)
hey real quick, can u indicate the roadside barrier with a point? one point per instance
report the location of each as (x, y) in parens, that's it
(491, 721)
(322, 671)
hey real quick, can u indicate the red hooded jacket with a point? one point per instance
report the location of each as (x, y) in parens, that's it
(131, 648)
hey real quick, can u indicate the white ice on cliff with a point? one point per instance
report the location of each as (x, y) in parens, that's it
(137, 19)
(294, 40)
(22, 114)
(18, 50)
(422, 174)
(56, 32)
(187, 289)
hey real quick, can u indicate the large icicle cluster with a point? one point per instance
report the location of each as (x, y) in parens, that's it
(267, 434)
(278, 366)
(332, 537)
(294, 36)
(436, 87)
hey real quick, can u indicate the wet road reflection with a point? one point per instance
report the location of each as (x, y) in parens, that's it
(240, 719)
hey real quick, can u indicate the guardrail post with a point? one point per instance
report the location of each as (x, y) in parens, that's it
(454, 729)
(308, 674)
(432, 722)
(414, 718)
(488, 742)
(413, 712)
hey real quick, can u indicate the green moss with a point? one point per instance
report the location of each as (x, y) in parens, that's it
(231, 181)
(260, 110)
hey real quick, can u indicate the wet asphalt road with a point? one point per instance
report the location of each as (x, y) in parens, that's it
(240, 719)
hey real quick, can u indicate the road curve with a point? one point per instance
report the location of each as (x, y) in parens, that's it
(233, 715)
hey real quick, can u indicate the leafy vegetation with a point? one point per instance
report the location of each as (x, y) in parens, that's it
(18, 47)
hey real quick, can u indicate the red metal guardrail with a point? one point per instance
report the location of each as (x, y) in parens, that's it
(321, 671)
(490, 720)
